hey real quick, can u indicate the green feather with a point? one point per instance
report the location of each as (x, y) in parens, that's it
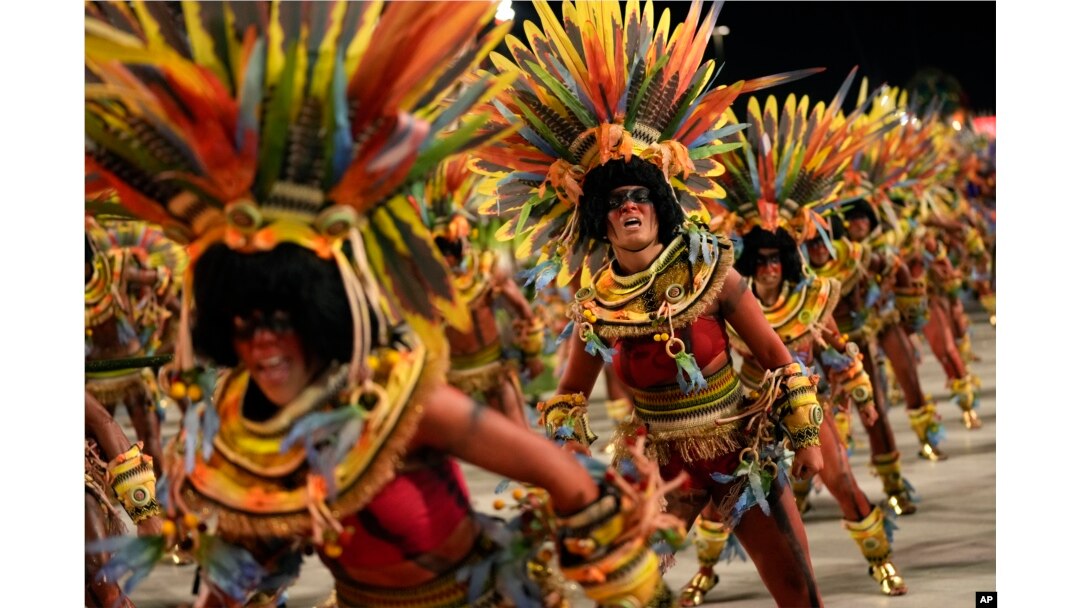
(276, 126)
(565, 96)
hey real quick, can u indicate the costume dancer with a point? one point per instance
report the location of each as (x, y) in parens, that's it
(620, 140)
(799, 307)
(286, 155)
(479, 364)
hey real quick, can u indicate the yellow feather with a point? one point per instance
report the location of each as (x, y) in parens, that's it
(324, 65)
(300, 80)
(202, 45)
(362, 39)
(559, 39)
(506, 65)
(275, 54)
(150, 28)
(232, 46)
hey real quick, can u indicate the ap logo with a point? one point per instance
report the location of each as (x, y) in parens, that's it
(986, 599)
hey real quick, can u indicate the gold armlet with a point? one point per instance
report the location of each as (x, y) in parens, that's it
(131, 476)
(566, 417)
(854, 380)
(911, 302)
(973, 243)
(798, 407)
(530, 340)
(611, 572)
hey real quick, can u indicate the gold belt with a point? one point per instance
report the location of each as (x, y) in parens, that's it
(668, 408)
(487, 355)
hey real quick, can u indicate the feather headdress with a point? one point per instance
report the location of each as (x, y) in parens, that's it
(255, 124)
(604, 85)
(450, 198)
(905, 157)
(790, 166)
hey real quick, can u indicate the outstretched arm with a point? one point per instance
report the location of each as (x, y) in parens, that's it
(453, 423)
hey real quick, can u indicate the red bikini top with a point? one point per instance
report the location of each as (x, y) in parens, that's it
(643, 363)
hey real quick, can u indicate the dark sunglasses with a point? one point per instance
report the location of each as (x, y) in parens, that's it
(766, 260)
(637, 195)
(244, 327)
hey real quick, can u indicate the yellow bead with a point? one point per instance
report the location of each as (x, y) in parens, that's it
(194, 392)
(168, 528)
(392, 357)
(498, 503)
(665, 336)
(518, 493)
(332, 551)
(178, 390)
(372, 362)
(656, 338)
(190, 520)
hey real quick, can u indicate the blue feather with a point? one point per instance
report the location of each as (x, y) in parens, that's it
(594, 467)
(502, 487)
(872, 294)
(230, 568)
(191, 436)
(251, 94)
(531, 136)
(342, 142)
(161, 492)
(565, 333)
(596, 347)
(732, 550)
(134, 555)
(210, 425)
(722, 477)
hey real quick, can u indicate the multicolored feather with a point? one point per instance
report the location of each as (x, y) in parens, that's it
(603, 83)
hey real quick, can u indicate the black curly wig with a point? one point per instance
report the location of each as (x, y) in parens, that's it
(758, 239)
(289, 278)
(617, 173)
(861, 208)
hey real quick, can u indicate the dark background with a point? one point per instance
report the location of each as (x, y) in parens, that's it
(943, 48)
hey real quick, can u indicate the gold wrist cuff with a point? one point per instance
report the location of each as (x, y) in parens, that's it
(567, 410)
(530, 340)
(131, 476)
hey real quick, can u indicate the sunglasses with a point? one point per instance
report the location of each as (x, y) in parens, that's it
(244, 327)
(767, 260)
(637, 195)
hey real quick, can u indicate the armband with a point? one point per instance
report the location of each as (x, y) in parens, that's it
(912, 304)
(612, 570)
(798, 407)
(131, 476)
(566, 417)
(530, 339)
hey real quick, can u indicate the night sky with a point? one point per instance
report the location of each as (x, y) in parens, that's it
(891, 42)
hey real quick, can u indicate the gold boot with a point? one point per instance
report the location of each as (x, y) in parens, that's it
(896, 488)
(927, 426)
(963, 345)
(963, 390)
(869, 534)
(801, 488)
(711, 538)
